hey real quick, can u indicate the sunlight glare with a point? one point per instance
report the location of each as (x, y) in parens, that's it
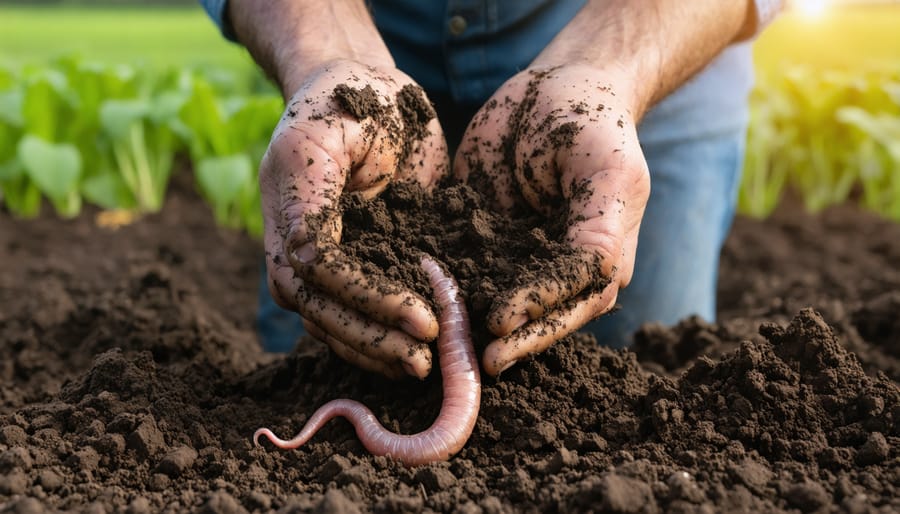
(811, 8)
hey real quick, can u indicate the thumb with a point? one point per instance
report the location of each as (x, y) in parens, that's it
(305, 204)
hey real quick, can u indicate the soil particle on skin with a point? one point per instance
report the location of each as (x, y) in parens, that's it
(360, 103)
(404, 119)
(415, 110)
(139, 389)
(563, 136)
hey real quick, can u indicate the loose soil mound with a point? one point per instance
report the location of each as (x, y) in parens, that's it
(132, 380)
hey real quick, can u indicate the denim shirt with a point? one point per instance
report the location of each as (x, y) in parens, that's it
(465, 50)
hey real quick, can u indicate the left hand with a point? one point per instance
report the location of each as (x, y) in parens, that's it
(561, 136)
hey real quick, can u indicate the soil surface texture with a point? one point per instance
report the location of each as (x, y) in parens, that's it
(131, 379)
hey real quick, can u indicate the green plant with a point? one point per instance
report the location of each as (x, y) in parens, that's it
(227, 139)
(19, 193)
(142, 137)
(55, 170)
(825, 135)
(877, 157)
(74, 131)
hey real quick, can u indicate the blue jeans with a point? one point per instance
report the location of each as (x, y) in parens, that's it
(694, 185)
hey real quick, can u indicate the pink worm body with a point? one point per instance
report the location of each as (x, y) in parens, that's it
(459, 409)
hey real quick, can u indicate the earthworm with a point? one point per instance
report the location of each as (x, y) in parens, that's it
(459, 408)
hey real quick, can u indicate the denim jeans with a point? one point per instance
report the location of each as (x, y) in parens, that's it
(693, 193)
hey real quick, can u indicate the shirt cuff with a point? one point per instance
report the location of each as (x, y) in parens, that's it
(218, 11)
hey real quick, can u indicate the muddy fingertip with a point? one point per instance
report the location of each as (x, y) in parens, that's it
(503, 323)
(421, 324)
(494, 361)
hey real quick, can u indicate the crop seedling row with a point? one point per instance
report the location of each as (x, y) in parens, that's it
(75, 132)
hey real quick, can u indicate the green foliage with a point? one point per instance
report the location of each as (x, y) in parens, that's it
(108, 135)
(227, 140)
(830, 136)
(55, 170)
(73, 131)
(143, 147)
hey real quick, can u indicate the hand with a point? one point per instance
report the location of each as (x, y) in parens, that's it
(562, 136)
(342, 131)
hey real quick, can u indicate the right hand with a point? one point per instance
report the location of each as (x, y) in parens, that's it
(321, 148)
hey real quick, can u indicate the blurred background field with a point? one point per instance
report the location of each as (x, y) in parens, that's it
(161, 35)
(825, 113)
(848, 36)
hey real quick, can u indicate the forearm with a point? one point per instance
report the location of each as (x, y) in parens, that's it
(651, 46)
(289, 38)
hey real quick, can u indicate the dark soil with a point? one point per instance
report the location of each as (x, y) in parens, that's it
(131, 381)
(489, 254)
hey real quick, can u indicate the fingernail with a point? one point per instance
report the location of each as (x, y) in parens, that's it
(507, 366)
(305, 254)
(407, 326)
(518, 320)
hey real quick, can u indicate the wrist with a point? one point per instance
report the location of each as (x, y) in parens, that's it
(292, 74)
(621, 82)
(620, 54)
(652, 46)
(290, 40)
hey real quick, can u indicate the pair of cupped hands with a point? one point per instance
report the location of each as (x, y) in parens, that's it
(319, 151)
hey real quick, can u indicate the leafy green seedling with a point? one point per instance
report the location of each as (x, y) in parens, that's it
(143, 150)
(221, 180)
(55, 170)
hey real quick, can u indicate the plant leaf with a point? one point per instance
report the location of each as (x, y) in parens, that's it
(54, 168)
(11, 108)
(117, 116)
(108, 191)
(222, 178)
(22, 197)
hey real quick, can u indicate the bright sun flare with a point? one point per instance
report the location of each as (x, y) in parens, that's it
(811, 8)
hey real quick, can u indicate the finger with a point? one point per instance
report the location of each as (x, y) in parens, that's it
(388, 303)
(365, 336)
(563, 279)
(283, 286)
(345, 352)
(539, 335)
(607, 194)
(280, 276)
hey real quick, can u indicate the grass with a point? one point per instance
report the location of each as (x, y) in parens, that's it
(140, 36)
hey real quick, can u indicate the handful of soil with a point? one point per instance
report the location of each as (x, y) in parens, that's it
(489, 253)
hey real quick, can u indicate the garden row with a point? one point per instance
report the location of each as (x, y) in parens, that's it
(75, 132)
(829, 136)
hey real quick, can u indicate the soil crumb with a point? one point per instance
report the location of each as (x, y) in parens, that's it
(131, 381)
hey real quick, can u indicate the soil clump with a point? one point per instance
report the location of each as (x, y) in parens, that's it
(131, 380)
